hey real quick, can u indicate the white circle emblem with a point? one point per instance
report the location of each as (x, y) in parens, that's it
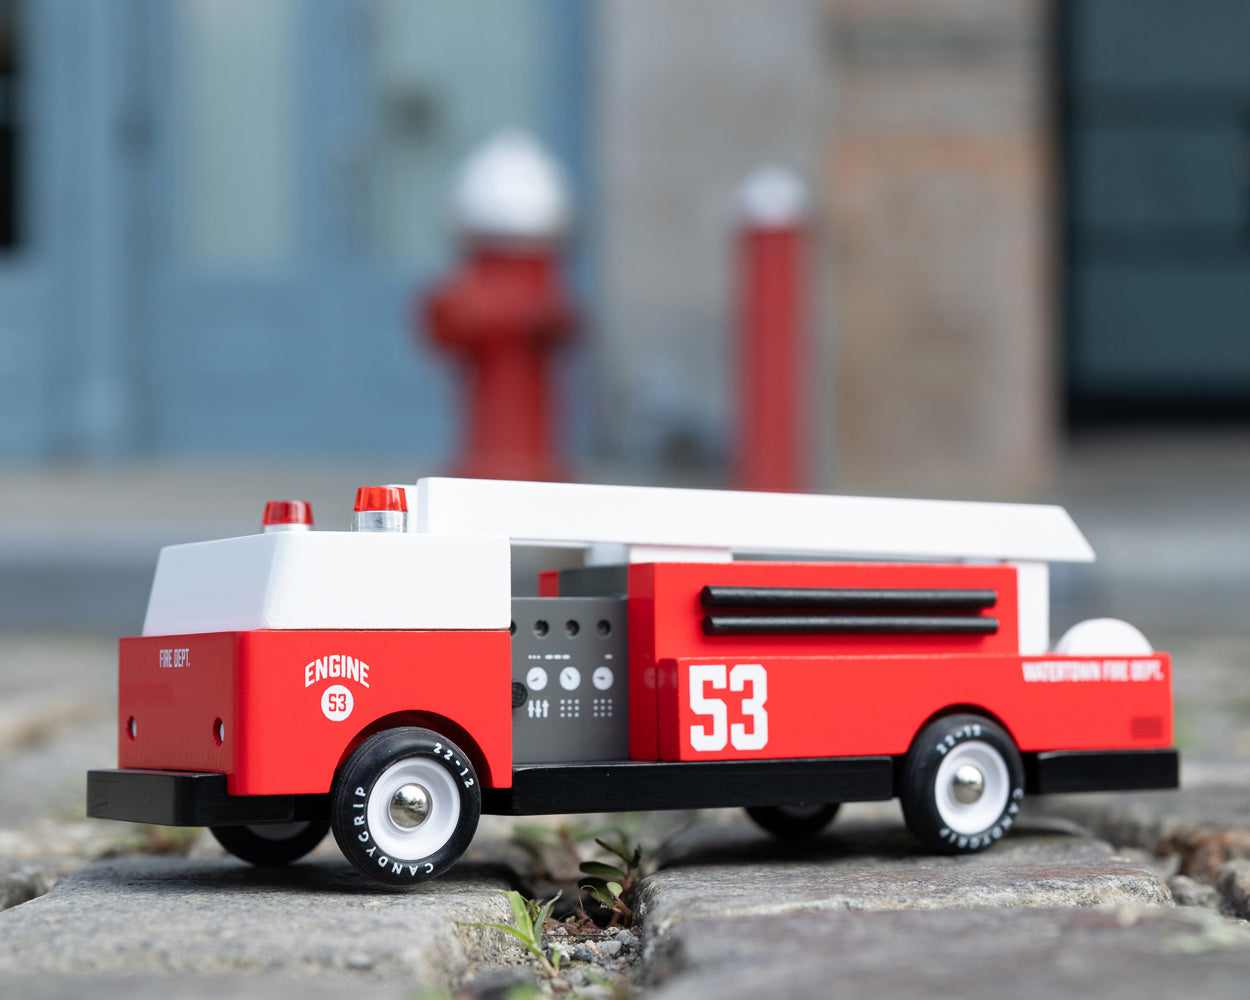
(602, 678)
(570, 677)
(337, 703)
(536, 678)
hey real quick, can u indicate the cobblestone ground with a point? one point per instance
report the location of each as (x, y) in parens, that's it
(1101, 896)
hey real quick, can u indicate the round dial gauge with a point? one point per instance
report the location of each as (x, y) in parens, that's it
(570, 677)
(602, 678)
(536, 679)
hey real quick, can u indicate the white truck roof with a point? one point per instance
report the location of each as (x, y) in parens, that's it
(746, 523)
(451, 569)
(330, 580)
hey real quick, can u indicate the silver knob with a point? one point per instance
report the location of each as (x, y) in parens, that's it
(410, 805)
(968, 784)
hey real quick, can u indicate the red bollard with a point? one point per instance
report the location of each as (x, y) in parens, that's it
(504, 312)
(771, 334)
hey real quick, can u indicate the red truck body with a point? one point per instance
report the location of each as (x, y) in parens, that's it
(818, 696)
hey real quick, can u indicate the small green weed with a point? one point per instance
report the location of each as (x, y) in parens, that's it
(618, 988)
(555, 852)
(612, 886)
(525, 991)
(530, 915)
(571, 854)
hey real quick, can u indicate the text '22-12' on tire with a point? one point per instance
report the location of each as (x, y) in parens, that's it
(405, 806)
(962, 784)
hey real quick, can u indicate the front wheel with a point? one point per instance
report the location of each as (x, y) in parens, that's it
(270, 844)
(405, 806)
(962, 784)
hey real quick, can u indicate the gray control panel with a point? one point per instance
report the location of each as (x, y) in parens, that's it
(570, 679)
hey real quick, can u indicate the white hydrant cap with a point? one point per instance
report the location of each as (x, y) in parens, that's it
(772, 198)
(512, 189)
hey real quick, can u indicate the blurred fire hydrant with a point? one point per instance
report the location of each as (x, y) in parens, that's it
(504, 312)
(772, 347)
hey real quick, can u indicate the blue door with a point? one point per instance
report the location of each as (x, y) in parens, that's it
(72, 151)
(214, 214)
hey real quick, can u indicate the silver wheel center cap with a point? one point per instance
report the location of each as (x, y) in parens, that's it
(968, 784)
(410, 805)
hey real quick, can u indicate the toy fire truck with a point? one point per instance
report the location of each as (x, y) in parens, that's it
(384, 683)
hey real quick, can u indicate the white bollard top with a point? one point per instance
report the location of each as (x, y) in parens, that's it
(772, 198)
(510, 188)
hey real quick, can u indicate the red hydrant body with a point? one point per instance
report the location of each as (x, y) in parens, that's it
(504, 314)
(772, 442)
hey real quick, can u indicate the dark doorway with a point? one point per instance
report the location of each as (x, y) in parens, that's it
(1155, 126)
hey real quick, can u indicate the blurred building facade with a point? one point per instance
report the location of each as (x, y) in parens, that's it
(214, 215)
(1041, 215)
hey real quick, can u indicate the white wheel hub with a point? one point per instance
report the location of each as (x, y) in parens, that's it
(972, 787)
(411, 833)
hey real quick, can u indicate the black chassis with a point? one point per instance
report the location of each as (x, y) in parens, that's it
(191, 798)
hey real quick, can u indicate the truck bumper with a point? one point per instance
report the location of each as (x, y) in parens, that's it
(191, 798)
(1101, 771)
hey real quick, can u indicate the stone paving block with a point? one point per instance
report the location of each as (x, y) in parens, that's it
(1232, 882)
(1190, 892)
(32, 986)
(20, 883)
(1203, 825)
(1140, 818)
(160, 916)
(732, 871)
(1038, 954)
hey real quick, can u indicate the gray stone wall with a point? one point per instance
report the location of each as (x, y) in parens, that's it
(923, 130)
(941, 211)
(693, 96)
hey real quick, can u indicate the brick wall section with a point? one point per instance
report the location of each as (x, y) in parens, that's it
(940, 206)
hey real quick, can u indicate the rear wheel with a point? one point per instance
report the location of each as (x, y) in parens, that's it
(793, 822)
(962, 784)
(405, 806)
(270, 844)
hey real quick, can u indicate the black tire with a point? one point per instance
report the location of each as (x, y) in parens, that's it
(271, 844)
(793, 822)
(380, 840)
(932, 804)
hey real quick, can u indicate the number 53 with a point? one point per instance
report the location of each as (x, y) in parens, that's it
(709, 741)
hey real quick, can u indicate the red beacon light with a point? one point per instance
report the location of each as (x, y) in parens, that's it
(287, 515)
(380, 508)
